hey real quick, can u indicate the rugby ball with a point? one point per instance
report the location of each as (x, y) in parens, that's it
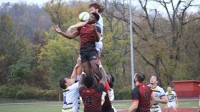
(84, 16)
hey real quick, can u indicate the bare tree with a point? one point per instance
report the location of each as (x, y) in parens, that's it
(159, 34)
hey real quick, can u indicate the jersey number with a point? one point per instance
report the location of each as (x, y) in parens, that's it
(89, 100)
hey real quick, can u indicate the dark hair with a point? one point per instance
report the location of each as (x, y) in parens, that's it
(62, 83)
(155, 76)
(88, 81)
(140, 76)
(96, 16)
(111, 81)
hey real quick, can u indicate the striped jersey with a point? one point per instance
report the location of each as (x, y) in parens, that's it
(171, 96)
(71, 98)
(158, 92)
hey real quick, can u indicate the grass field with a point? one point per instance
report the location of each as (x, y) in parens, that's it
(56, 106)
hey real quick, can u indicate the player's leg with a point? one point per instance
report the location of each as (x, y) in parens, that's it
(168, 107)
(99, 46)
(85, 63)
(94, 63)
(174, 106)
(87, 68)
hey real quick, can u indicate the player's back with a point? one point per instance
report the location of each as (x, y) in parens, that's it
(144, 98)
(91, 99)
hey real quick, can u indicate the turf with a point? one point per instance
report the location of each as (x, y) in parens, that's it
(56, 106)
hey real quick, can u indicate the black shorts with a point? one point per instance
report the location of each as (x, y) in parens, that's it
(88, 53)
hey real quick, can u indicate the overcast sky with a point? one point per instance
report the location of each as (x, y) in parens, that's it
(134, 2)
(39, 2)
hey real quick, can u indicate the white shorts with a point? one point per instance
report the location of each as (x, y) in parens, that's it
(155, 110)
(99, 46)
(171, 104)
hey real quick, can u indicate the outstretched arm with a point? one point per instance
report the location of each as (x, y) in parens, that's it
(103, 73)
(75, 72)
(66, 34)
(81, 83)
(80, 24)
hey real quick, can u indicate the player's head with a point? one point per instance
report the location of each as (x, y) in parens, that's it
(95, 7)
(88, 81)
(154, 79)
(94, 17)
(139, 77)
(110, 79)
(64, 83)
(169, 89)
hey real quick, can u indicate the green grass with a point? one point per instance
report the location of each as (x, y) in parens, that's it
(56, 107)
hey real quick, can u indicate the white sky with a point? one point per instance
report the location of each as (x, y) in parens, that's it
(39, 2)
(150, 5)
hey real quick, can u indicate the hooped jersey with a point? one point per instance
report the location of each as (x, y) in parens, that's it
(71, 98)
(171, 96)
(158, 93)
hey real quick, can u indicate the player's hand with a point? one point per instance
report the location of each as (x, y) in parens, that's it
(57, 29)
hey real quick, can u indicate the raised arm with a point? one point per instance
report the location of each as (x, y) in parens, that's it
(77, 25)
(103, 73)
(81, 83)
(66, 34)
(80, 24)
(77, 70)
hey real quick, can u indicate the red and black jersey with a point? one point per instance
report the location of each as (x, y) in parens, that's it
(92, 98)
(142, 93)
(87, 34)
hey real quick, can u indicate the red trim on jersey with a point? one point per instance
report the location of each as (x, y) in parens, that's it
(138, 84)
(104, 85)
(107, 87)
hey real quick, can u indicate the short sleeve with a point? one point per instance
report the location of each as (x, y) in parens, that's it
(162, 93)
(175, 94)
(74, 86)
(99, 87)
(135, 94)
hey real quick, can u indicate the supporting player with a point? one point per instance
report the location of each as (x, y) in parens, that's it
(91, 92)
(71, 90)
(159, 94)
(142, 95)
(172, 99)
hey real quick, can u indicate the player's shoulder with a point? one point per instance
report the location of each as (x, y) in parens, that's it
(173, 92)
(160, 88)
